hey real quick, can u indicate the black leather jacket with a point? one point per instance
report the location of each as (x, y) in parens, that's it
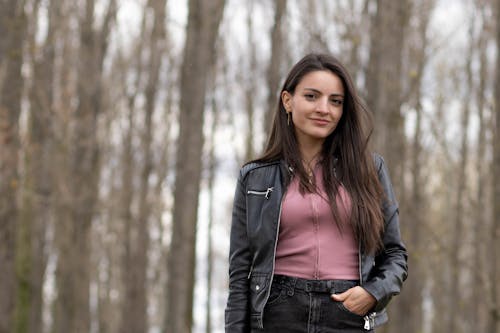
(254, 231)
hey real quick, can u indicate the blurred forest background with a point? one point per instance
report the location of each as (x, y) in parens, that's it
(123, 124)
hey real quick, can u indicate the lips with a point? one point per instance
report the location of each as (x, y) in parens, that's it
(320, 122)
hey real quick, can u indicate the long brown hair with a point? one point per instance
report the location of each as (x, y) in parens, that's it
(345, 156)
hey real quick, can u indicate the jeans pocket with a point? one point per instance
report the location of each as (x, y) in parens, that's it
(276, 295)
(343, 308)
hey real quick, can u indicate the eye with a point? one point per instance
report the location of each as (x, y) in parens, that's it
(310, 97)
(337, 102)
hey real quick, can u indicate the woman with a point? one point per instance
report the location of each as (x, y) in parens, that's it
(315, 242)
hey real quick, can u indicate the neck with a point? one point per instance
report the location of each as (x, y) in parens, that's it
(310, 152)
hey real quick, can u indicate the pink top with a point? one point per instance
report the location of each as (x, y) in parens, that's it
(310, 245)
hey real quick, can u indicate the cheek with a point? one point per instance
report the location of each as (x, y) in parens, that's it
(337, 118)
(295, 105)
(338, 114)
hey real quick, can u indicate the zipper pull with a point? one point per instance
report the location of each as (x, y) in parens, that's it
(367, 322)
(372, 319)
(268, 191)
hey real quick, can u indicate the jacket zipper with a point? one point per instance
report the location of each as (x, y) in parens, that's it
(274, 257)
(265, 193)
(370, 317)
(359, 266)
(250, 272)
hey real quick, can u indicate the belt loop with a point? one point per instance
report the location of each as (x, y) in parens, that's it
(330, 287)
(291, 286)
(282, 282)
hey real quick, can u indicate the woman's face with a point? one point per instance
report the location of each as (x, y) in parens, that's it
(316, 106)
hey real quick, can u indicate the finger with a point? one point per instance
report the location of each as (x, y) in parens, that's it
(340, 297)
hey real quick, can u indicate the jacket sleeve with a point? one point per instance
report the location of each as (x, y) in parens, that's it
(390, 270)
(237, 316)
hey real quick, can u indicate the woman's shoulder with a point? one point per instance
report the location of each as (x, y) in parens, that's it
(255, 165)
(378, 161)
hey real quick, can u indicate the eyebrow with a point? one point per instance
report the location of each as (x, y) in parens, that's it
(319, 92)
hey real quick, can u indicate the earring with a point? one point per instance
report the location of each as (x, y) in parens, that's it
(288, 118)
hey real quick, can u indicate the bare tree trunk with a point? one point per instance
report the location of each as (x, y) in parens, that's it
(127, 185)
(212, 166)
(384, 94)
(158, 280)
(72, 276)
(134, 316)
(65, 87)
(456, 280)
(199, 54)
(274, 69)
(126, 198)
(13, 24)
(384, 85)
(479, 290)
(439, 261)
(412, 298)
(356, 27)
(409, 317)
(494, 319)
(250, 86)
(36, 209)
(314, 11)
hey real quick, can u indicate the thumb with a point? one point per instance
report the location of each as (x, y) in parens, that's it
(340, 297)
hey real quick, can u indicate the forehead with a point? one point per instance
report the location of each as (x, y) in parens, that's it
(322, 80)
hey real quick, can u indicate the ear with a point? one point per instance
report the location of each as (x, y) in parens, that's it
(286, 98)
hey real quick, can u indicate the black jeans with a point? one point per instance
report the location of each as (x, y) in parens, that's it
(304, 306)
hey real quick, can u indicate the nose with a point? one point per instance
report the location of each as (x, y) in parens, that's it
(322, 105)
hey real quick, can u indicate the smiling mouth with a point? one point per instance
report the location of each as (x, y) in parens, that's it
(321, 121)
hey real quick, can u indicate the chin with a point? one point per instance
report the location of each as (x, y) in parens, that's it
(320, 136)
